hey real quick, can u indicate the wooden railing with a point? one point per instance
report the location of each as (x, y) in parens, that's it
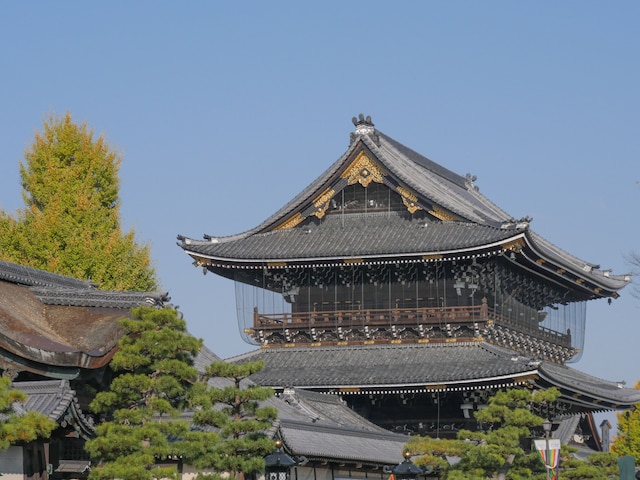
(372, 317)
(402, 317)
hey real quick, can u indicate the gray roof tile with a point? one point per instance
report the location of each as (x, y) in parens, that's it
(421, 365)
(54, 398)
(345, 444)
(352, 235)
(384, 365)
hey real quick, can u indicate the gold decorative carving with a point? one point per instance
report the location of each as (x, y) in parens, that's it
(435, 256)
(322, 202)
(540, 261)
(292, 222)
(349, 389)
(436, 388)
(514, 245)
(363, 170)
(200, 261)
(353, 260)
(276, 264)
(442, 215)
(409, 199)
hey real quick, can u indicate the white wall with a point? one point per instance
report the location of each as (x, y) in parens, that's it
(11, 464)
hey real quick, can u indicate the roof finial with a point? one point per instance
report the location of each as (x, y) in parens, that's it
(364, 126)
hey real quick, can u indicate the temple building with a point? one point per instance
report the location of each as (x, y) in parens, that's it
(393, 283)
(57, 336)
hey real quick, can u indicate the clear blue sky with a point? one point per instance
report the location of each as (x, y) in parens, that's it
(223, 111)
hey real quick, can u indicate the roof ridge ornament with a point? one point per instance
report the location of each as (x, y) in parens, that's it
(364, 126)
(520, 224)
(469, 182)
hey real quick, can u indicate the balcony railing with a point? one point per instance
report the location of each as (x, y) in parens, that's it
(372, 317)
(478, 316)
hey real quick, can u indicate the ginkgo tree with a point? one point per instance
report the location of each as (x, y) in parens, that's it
(628, 440)
(70, 223)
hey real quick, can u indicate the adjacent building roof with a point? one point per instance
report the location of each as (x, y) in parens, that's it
(429, 367)
(322, 427)
(56, 400)
(462, 221)
(54, 325)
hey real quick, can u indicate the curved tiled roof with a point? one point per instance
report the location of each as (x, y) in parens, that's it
(356, 235)
(588, 388)
(56, 400)
(32, 277)
(449, 365)
(381, 366)
(52, 325)
(434, 186)
(337, 443)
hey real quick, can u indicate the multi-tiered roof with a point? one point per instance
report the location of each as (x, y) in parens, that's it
(395, 275)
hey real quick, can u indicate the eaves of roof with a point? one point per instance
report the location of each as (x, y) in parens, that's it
(56, 400)
(49, 321)
(341, 237)
(425, 367)
(589, 390)
(581, 269)
(342, 444)
(364, 368)
(11, 361)
(33, 277)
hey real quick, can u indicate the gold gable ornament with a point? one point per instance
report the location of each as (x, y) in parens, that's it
(322, 202)
(291, 222)
(364, 171)
(409, 199)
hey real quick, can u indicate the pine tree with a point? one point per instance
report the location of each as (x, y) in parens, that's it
(71, 221)
(19, 428)
(236, 412)
(154, 374)
(497, 450)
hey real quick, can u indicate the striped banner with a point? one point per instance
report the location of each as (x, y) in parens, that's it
(549, 457)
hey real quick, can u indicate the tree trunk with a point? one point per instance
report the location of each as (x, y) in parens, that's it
(502, 473)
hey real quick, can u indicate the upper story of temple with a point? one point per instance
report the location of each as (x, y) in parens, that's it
(387, 246)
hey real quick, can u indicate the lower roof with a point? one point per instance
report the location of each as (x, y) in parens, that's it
(428, 367)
